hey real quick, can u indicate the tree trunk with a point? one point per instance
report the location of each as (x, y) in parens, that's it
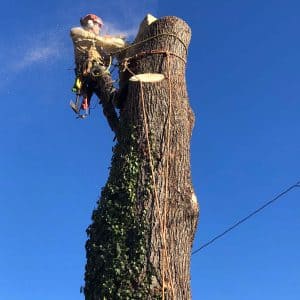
(141, 236)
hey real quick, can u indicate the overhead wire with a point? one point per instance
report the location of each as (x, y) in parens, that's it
(238, 223)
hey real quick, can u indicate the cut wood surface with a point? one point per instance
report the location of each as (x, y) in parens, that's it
(147, 77)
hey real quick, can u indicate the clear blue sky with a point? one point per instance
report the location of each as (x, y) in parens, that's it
(243, 80)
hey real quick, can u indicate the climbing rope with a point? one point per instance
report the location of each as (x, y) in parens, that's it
(148, 39)
(167, 169)
(161, 221)
(106, 71)
(165, 261)
(150, 52)
(126, 61)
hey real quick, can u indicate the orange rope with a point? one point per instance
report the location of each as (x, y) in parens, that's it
(155, 51)
(162, 219)
(148, 39)
(167, 168)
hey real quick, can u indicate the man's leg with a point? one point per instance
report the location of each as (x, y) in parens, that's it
(104, 89)
(104, 86)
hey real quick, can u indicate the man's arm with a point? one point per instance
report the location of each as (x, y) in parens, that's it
(80, 33)
(108, 43)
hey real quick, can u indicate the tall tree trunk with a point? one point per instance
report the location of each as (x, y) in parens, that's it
(141, 236)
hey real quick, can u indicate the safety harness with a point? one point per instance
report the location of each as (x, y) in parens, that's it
(89, 69)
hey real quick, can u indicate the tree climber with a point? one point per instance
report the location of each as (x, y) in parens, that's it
(92, 53)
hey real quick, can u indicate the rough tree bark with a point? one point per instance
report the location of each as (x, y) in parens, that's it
(142, 231)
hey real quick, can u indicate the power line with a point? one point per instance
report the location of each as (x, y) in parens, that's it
(296, 185)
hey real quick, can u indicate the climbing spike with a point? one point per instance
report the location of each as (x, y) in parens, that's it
(74, 107)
